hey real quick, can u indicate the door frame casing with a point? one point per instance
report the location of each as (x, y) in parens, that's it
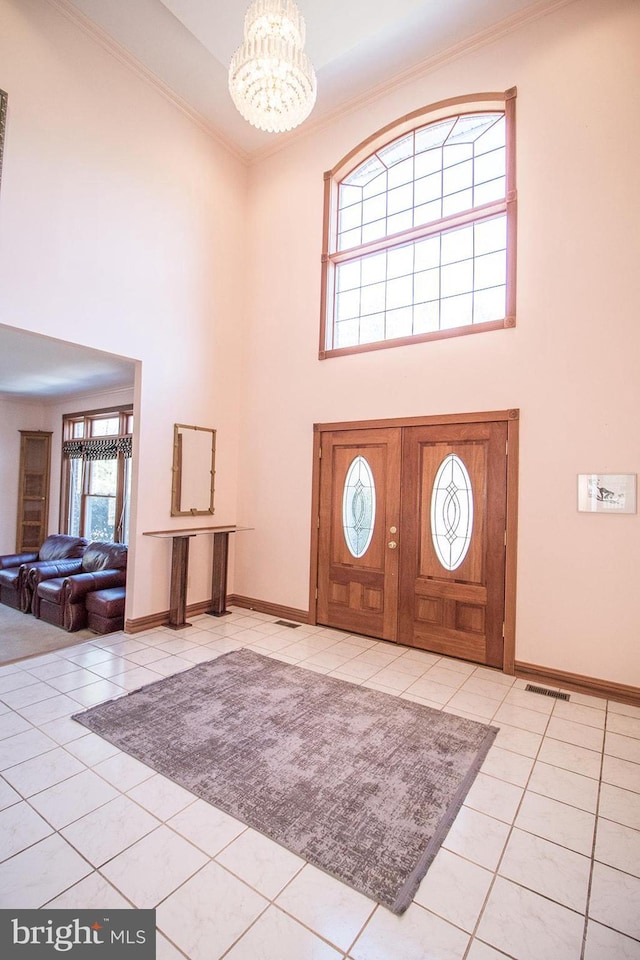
(512, 418)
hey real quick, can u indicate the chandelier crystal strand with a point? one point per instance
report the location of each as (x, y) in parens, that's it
(271, 79)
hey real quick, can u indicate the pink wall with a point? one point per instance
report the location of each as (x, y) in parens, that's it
(121, 228)
(570, 365)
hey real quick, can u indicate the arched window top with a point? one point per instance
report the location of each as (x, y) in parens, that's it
(420, 229)
(432, 172)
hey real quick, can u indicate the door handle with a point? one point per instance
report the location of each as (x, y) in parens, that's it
(392, 545)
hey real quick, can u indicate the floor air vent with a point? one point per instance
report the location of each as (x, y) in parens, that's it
(556, 694)
(287, 623)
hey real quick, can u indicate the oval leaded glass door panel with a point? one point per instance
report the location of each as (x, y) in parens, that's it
(451, 512)
(358, 507)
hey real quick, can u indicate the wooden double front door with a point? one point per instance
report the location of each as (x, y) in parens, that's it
(412, 533)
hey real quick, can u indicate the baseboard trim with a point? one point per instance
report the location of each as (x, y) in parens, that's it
(592, 686)
(607, 689)
(153, 620)
(273, 609)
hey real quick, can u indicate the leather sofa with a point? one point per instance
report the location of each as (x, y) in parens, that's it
(59, 597)
(15, 567)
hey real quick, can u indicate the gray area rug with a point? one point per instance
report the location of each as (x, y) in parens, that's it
(21, 635)
(359, 783)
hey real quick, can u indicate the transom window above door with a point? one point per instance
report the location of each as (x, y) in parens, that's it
(419, 231)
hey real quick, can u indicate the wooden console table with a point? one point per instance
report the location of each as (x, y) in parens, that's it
(180, 569)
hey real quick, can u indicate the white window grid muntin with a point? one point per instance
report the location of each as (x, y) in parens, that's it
(453, 278)
(459, 303)
(466, 175)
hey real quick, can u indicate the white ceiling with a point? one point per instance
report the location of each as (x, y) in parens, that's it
(356, 46)
(32, 366)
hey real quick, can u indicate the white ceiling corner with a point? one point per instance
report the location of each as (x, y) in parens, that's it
(355, 47)
(38, 367)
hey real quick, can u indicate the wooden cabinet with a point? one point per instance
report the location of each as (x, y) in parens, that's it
(33, 489)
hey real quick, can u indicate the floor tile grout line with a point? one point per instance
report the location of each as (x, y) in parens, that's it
(172, 942)
(627, 873)
(629, 936)
(548, 763)
(212, 857)
(512, 827)
(55, 833)
(95, 870)
(316, 933)
(501, 952)
(190, 878)
(54, 693)
(160, 822)
(99, 866)
(376, 907)
(65, 825)
(593, 853)
(565, 803)
(58, 746)
(271, 901)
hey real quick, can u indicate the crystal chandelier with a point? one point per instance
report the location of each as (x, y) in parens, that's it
(271, 79)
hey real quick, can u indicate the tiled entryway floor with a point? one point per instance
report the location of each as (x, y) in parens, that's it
(542, 862)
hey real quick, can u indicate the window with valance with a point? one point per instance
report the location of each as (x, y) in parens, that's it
(105, 448)
(97, 451)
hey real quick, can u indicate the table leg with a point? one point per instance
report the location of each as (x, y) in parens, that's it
(219, 576)
(179, 572)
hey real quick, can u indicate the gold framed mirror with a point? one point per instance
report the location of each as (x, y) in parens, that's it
(194, 463)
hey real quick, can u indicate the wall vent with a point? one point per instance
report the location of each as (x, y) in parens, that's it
(556, 694)
(287, 623)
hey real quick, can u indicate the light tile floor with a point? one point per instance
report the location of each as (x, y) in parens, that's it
(542, 862)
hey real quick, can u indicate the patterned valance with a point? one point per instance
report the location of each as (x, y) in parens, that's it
(99, 448)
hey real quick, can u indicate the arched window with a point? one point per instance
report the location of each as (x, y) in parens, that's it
(419, 229)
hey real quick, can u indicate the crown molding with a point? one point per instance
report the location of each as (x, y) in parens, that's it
(249, 158)
(29, 401)
(47, 400)
(124, 394)
(100, 36)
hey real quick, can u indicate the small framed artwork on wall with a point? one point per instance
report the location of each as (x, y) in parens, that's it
(607, 492)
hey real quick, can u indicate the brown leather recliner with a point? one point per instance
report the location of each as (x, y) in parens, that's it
(60, 599)
(15, 567)
(104, 554)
